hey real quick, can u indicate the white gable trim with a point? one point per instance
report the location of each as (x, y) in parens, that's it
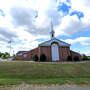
(48, 43)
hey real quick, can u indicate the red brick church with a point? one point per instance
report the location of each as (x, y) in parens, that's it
(54, 50)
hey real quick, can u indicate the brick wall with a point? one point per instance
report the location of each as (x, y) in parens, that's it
(32, 52)
(64, 53)
(45, 50)
(28, 54)
(73, 54)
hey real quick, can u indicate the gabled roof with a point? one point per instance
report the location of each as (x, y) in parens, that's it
(22, 52)
(48, 43)
(75, 52)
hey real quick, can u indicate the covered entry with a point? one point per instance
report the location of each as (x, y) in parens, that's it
(55, 52)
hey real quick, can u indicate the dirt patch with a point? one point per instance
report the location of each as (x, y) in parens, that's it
(43, 87)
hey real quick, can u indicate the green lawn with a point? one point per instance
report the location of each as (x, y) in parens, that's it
(12, 73)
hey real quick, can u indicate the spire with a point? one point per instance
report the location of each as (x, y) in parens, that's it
(52, 31)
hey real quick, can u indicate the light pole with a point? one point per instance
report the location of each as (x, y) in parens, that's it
(10, 47)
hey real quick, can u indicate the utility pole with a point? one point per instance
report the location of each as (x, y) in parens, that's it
(10, 47)
(13, 52)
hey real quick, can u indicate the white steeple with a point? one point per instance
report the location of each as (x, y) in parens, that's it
(52, 31)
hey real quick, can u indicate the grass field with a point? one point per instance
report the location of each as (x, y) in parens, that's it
(12, 73)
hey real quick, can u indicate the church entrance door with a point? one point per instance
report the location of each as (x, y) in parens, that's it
(55, 52)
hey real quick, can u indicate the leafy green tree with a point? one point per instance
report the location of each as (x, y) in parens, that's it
(7, 55)
(4, 55)
(0, 54)
(84, 57)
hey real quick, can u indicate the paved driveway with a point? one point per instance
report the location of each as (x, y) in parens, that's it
(29, 87)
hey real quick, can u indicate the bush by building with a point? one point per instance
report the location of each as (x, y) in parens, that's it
(88, 57)
(69, 58)
(42, 57)
(84, 57)
(76, 58)
(35, 57)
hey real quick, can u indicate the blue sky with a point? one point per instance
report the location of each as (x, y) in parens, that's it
(2, 12)
(27, 23)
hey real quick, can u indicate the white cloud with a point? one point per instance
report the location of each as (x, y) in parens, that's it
(86, 52)
(82, 40)
(71, 25)
(83, 6)
(20, 24)
(23, 12)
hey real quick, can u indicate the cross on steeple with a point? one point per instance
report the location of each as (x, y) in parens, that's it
(52, 31)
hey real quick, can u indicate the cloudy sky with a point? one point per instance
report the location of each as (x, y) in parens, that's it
(27, 23)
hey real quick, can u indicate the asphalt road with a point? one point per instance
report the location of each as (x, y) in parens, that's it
(29, 87)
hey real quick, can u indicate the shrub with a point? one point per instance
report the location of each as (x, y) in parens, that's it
(42, 57)
(69, 58)
(76, 58)
(4, 55)
(35, 57)
(88, 57)
(84, 57)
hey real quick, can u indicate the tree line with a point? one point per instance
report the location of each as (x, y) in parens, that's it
(4, 55)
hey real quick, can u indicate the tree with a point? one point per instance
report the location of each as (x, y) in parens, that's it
(84, 57)
(35, 57)
(69, 58)
(76, 58)
(42, 57)
(4, 55)
(0, 54)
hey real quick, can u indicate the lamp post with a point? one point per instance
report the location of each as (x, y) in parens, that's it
(10, 47)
